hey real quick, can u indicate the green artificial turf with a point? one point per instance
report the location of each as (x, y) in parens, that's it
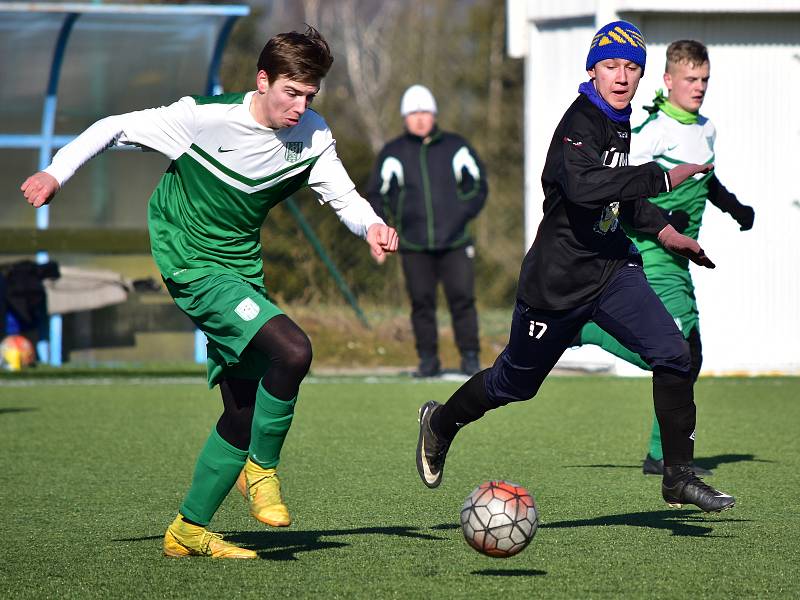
(92, 473)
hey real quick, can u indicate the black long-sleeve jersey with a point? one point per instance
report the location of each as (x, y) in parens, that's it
(588, 187)
(429, 189)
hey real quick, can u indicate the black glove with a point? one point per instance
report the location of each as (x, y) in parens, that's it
(727, 202)
(679, 219)
(744, 216)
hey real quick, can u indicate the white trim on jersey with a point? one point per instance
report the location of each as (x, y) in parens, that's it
(226, 132)
(235, 183)
(669, 142)
(356, 213)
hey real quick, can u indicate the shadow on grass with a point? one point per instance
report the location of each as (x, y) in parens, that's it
(603, 466)
(11, 410)
(692, 524)
(712, 462)
(509, 572)
(708, 462)
(285, 544)
(445, 526)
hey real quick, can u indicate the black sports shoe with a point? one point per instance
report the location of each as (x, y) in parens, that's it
(429, 366)
(470, 363)
(652, 466)
(431, 448)
(681, 486)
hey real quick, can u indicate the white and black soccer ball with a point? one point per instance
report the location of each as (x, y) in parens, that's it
(499, 518)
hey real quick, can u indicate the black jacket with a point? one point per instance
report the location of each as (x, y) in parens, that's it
(429, 189)
(588, 186)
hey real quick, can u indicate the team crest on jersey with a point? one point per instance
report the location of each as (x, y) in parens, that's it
(293, 151)
(608, 220)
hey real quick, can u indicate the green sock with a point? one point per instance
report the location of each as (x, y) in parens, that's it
(216, 471)
(271, 421)
(655, 441)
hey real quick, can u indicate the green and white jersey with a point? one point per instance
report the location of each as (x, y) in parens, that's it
(669, 143)
(227, 172)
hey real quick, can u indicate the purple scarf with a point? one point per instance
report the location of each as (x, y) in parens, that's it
(619, 116)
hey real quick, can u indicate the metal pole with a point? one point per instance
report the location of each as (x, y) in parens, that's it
(213, 84)
(308, 231)
(49, 347)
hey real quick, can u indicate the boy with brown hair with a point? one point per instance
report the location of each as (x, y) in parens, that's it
(234, 157)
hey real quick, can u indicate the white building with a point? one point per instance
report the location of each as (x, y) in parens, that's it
(750, 304)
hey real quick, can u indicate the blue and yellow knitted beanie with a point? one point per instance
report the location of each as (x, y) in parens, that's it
(618, 39)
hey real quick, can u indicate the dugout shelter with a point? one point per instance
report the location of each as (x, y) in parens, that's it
(65, 65)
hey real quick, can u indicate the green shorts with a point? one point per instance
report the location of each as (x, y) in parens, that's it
(229, 311)
(676, 291)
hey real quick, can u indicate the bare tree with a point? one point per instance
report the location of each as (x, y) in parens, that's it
(311, 9)
(368, 59)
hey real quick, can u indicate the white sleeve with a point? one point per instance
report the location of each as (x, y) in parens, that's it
(328, 177)
(355, 212)
(168, 130)
(646, 144)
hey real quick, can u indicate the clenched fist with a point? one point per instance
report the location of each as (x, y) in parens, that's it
(40, 188)
(381, 239)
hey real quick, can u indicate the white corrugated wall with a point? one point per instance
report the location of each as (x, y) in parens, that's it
(750, 304)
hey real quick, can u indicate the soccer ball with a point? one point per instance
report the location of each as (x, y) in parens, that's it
(499, 519)
(16, 352)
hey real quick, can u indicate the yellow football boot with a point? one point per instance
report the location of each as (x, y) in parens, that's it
(262, 490)
(185, 539)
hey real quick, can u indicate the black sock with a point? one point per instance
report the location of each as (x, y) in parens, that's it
(673, 396)
(469, 403)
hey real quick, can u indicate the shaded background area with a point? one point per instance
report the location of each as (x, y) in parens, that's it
(455, 47)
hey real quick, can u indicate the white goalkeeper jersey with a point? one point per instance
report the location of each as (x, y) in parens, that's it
(227, 172)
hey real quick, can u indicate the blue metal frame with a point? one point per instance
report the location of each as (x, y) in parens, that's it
(49, 347)
(213, 85)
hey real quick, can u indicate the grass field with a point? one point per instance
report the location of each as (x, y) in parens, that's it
(92, 473)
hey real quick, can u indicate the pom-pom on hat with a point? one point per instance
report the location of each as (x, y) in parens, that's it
(417, 98)
(618, 39)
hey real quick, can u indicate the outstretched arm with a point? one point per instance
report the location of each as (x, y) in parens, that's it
(40, 188)
(727, 202)
(684, 246)
(167, 130)
(644, 216)
(677, 175)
